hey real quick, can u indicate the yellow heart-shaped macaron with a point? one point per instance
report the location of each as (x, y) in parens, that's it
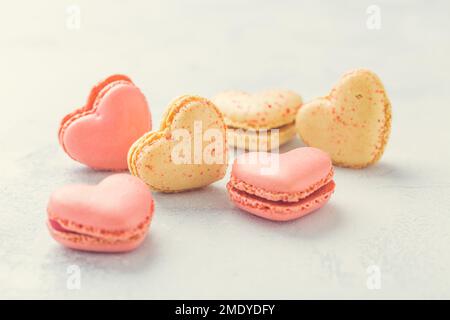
(189, 151)
(260, 121)
(352, 123)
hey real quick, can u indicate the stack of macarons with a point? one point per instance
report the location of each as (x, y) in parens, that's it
(113, 131)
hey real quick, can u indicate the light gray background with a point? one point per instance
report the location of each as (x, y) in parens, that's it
(395, 215)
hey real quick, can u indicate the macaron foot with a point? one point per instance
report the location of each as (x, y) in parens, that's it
(260, 140)
(280, 210)
(261, 121)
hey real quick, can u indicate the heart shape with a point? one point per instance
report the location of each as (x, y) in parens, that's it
(250, 117)
(189, 151)
(100, 134)
(267, 109)
(290, 172)
(352, 124)
(284, 186)
(111, 216)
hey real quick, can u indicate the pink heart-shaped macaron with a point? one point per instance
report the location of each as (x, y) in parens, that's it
(284, 186)
(100, 134)
(113, 216)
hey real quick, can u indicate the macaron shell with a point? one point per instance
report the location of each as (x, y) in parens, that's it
(267, 109)
(253, 141)
(352, 124)
(293, 171)
(101, 138)
(115, 213)
(151, 157)
(277, 210)
(84, 243)
(95, 91)
(119, 202)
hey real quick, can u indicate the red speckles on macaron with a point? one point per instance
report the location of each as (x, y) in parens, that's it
(174, 166)
(357, 108)
(271, 109)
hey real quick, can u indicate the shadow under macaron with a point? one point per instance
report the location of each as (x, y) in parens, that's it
(83, 174)
(212, 197)
(140, 259)
(294, 143)
(315, 224)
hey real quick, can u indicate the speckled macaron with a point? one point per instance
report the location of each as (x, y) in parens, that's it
(260, 121)
(189, 151)
(352, 124)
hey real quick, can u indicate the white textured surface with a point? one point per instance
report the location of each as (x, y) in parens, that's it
(395, 214)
